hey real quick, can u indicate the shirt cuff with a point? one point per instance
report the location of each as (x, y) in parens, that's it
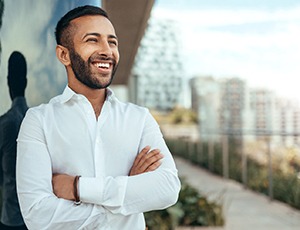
(106, 191)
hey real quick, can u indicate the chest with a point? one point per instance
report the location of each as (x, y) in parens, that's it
(104, 147)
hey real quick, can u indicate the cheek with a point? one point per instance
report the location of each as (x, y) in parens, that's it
(117, 56)
(85, 53)
(86, 57)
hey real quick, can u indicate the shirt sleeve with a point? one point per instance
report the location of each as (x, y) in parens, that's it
(40, 208)
(144, 192)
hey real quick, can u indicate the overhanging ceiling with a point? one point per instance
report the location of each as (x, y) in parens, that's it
(129, 18)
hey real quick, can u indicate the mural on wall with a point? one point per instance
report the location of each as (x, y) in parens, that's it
(29, 29)
(1, 14)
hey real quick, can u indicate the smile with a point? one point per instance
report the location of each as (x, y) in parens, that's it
(102, 65)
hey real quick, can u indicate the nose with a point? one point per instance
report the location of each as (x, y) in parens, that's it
(105, 49)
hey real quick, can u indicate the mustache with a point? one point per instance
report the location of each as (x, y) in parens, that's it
(98, 57)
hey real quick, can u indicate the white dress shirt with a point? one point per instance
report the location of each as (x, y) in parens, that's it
(64, 136)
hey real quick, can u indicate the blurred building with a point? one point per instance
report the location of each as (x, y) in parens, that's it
(233, 95)
(220, 105)
(289, 121)
(279, 117)
(229, 106)
(156, 77)
(265, 111)
(206, 103)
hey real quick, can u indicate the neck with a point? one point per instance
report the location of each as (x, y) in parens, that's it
(95, 96)
(97, 100)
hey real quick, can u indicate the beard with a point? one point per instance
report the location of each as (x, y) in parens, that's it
(83, 73)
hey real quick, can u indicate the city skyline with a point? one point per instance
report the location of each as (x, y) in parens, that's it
(253, 40)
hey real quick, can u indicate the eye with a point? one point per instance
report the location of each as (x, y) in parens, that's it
(114, 43)
(92, 40)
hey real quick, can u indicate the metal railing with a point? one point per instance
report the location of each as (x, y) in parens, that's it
(215, 151)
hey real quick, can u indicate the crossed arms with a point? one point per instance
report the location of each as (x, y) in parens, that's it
(146, 161)
(46, 199)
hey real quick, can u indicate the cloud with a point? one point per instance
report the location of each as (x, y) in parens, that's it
(219, 17)
(260, 46)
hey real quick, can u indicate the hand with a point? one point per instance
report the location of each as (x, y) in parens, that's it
(146, 161)
(63, 186)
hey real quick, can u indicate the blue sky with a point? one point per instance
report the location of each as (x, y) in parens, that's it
(256, 40)
(227, 4)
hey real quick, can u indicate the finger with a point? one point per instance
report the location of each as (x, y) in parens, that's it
(149, 162)
(154, 166)
(150, 159)
(146, 157)
(140, 155)
(135, 168)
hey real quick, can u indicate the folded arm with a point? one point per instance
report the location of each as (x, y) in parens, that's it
(65, 186)
(150, 184)
(156, 186)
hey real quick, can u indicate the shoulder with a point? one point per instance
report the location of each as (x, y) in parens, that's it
(7, 119)
(134, 113)
(42, 108)
(39, 112)
(8, 125)
(128, 107)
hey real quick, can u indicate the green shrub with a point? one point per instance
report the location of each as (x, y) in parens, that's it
(192, 209)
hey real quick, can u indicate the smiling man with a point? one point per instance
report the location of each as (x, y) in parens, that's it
(86, 160)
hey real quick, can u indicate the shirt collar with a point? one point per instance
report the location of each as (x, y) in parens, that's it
(68, 94)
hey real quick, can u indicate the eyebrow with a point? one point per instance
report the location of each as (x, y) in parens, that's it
(99, 35)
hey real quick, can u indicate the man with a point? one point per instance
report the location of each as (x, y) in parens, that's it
(10, 122)
(86, 160)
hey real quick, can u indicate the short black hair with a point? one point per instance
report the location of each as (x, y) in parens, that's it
(62, 34)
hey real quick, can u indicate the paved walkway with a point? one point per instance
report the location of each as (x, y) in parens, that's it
(243, 209)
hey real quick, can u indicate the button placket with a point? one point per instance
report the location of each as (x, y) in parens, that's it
(99, 161)
(99, 151)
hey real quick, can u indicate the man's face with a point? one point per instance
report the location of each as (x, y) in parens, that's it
(94, 55)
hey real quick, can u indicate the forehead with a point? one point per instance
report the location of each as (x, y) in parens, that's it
(92, 24)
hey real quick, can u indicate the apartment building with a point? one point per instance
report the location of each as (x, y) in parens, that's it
(158, 68)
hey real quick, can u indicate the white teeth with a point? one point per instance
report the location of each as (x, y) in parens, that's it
(102, 65)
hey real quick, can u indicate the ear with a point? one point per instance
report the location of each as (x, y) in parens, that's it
(62, 53)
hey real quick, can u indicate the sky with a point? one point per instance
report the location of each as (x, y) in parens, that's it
(258, 41)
